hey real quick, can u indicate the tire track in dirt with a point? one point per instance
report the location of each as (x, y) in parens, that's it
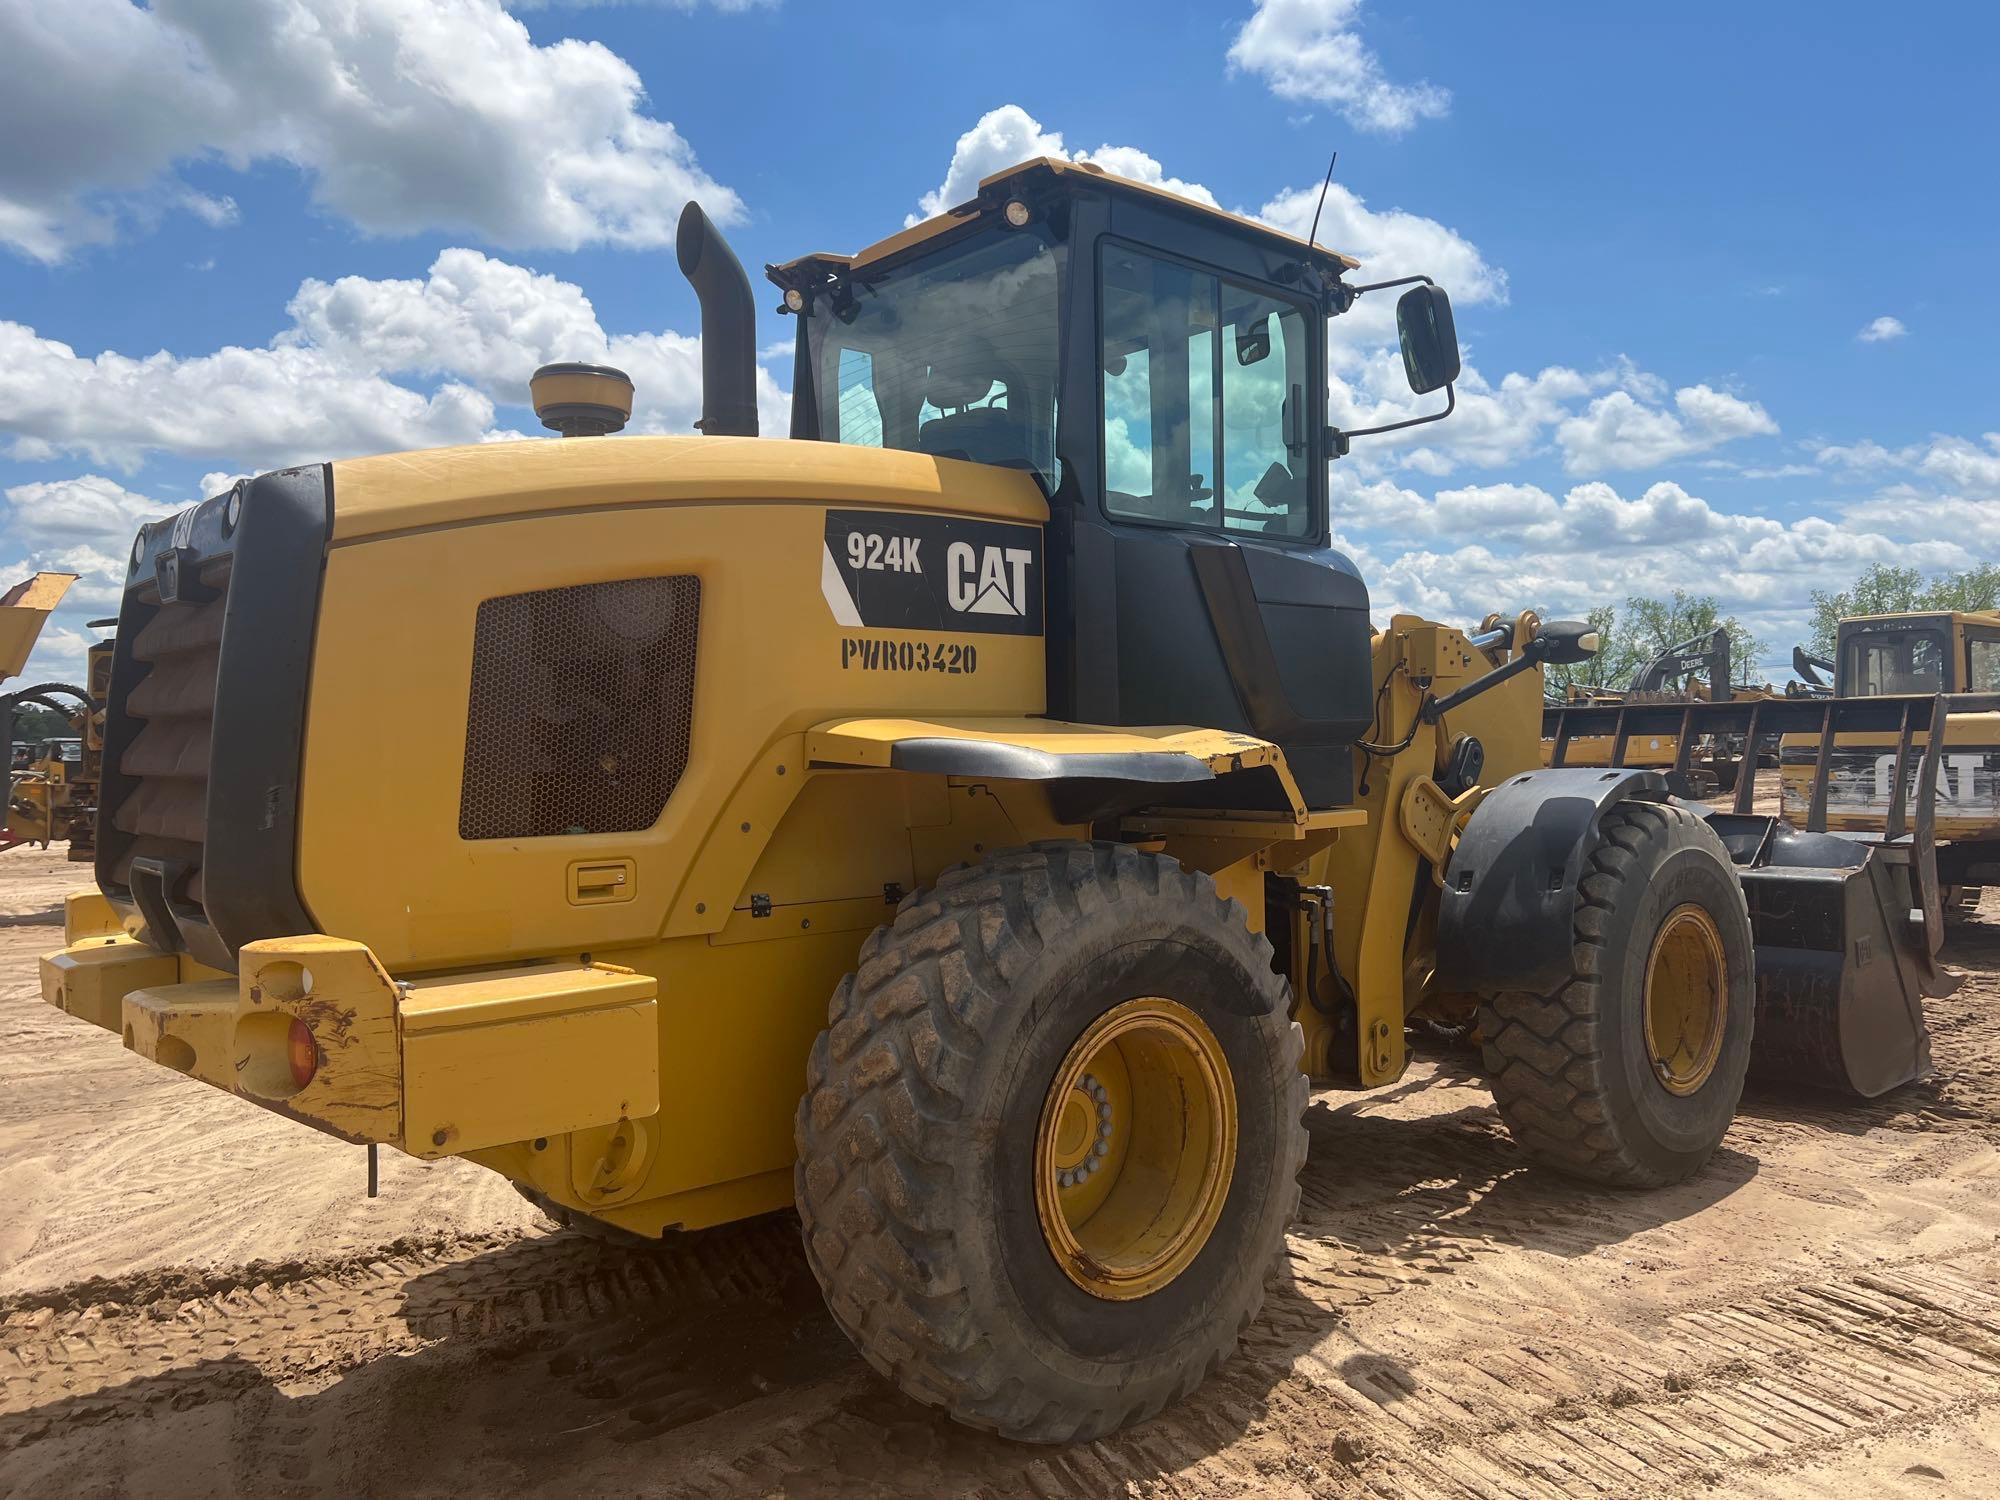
(1801, 1371)
(1439, 1197)
(113, 1349)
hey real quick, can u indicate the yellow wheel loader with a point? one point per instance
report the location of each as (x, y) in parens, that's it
(1017, 703)
(1957, 654)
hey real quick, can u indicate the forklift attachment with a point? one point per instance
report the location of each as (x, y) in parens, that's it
(1847, 927)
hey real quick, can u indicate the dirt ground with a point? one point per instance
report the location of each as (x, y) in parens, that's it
(196, 1298)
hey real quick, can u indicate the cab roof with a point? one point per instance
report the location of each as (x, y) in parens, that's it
(1914, 617)
(1073, 176)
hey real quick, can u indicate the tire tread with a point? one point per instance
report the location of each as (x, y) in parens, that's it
(1550, 1079)
(905, 1032)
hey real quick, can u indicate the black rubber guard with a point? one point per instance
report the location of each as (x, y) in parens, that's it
(1505, 919)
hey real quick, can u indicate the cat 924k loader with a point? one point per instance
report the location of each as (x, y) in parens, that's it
(1017, 702)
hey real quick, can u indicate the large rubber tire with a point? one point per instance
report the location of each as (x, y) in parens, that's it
(1570, 1070)
(917, 1136)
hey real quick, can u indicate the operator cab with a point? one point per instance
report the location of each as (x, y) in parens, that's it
(1919, 653)
(1159, 367)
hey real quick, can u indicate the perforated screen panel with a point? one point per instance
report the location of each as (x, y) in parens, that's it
(582, 702)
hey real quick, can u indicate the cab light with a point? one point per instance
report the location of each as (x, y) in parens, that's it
(303, 1052)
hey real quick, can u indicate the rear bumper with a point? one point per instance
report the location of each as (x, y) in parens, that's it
(436, 1067)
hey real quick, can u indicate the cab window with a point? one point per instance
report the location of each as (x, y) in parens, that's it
(953, 354)
(1879, 662)
(1982, 664)
(1205, 416)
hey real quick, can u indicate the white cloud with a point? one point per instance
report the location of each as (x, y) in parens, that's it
(1620, 431)
(1965, 465)
(406, 114)
(1594, 545)
(489, 323)
(262, 407)
(88, 509)
(1866, 454)
(1882, 330)
(1009, 135)
(1955, 461)
(1310, 51)
(335, 382)
(1630, 421)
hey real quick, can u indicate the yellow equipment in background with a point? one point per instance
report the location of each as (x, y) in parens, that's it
(1019, 704)
(51, 781)
(1957, 654)
(24, 609)
(1696, 671)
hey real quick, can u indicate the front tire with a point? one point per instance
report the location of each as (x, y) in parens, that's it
(1630, 1071)
(1051, 1139)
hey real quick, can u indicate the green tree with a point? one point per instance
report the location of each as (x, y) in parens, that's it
(1888, 590)
(32, 722)
(1656, 625)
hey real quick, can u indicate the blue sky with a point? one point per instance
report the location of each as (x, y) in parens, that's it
(240, 233)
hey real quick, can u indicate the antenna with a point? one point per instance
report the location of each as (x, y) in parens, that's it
(1322, 196)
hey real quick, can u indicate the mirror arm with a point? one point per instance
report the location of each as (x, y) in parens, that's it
(1339, 439)
(1380, 286)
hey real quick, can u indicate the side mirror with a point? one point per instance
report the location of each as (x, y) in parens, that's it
(1253, 341)
(1562, 643)
(1429, 337)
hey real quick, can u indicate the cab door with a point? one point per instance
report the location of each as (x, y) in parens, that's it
(1231, 612)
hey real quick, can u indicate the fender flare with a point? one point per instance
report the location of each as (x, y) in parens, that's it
(1509, 899)
(1092, 770)
(1007, 762)
(1023, 749)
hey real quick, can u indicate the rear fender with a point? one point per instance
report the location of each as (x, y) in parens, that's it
(1092, 771)
(1505, 915)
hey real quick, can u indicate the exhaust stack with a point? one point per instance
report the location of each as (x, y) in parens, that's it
(728, 327)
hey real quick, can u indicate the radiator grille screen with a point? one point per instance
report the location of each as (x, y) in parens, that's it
(165, 814)
(582, 701)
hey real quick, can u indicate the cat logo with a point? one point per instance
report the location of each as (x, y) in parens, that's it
(988, 580)
(891, 570)
(1963, 785)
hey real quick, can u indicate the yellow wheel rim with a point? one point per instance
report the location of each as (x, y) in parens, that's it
(1135, 1150)
(1687, 999)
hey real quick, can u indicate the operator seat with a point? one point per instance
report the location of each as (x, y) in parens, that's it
(982, 434)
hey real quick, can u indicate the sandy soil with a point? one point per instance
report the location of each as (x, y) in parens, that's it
(196, 1298)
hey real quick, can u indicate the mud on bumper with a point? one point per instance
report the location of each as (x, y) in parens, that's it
(434, 1066)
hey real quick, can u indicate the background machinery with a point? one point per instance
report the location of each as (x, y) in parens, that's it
(1957, 655)
(1019, 704)
(1696, 671)
(51, 779)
